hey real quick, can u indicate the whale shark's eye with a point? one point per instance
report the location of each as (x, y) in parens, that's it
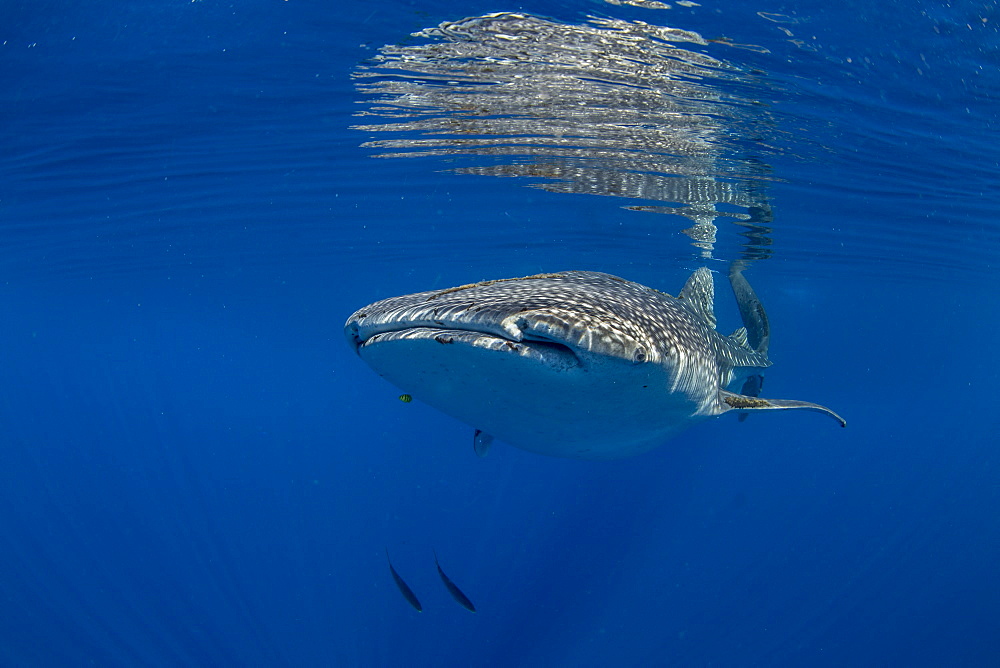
(639, 356)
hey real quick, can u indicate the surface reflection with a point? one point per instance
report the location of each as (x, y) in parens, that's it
(609, 107)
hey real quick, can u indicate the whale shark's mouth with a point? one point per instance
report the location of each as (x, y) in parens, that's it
(542, 350)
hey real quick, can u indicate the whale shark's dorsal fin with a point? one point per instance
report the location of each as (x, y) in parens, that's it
(699, 295)
(745, 403)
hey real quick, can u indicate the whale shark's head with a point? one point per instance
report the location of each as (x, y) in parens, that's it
(571, 364)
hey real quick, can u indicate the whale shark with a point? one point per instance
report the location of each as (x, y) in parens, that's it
(576, 364)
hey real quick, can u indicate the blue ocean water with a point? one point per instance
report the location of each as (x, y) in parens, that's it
(197, 470)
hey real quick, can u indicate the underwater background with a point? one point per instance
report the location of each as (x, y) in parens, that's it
(196, 469)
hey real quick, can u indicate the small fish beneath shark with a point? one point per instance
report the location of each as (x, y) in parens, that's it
(404, 588)
(411, 598)
(575, 364)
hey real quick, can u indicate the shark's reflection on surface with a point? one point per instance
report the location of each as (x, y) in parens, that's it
(607, 107)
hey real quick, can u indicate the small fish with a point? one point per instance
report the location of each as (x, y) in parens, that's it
(455, 592)
(404, 589)
(405, 398)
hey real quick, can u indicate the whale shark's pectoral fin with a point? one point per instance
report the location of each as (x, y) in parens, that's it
(481, 442)
(744, 403)
(751, 388)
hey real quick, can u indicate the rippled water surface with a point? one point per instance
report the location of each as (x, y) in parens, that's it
(195, 195)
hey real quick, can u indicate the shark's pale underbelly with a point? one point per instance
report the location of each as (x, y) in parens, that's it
(536, 396)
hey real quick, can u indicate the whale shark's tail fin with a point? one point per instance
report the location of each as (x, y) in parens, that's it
(755, 321)
(751, 310)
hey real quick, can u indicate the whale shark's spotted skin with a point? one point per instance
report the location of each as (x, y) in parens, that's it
(573, 364)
